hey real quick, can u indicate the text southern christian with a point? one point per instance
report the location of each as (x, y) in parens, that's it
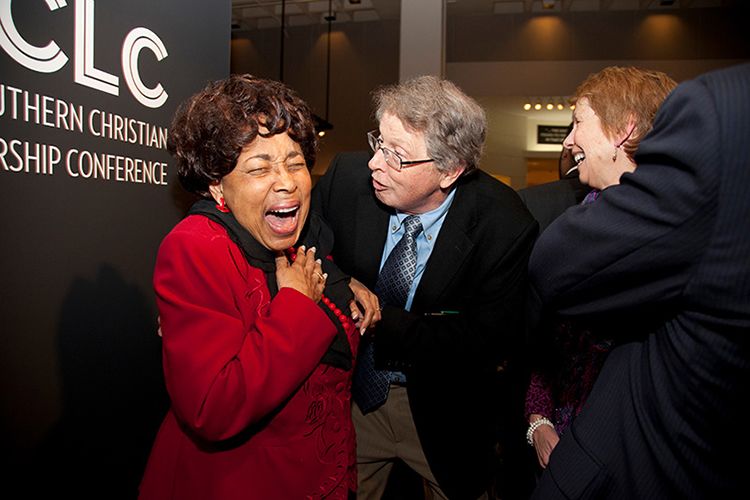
(23, 156)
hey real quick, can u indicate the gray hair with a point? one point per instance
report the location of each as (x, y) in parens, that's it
(454, 125)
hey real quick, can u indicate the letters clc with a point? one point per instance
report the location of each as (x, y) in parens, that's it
(51, 58)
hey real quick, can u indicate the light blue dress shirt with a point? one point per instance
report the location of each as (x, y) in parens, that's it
(432, 222)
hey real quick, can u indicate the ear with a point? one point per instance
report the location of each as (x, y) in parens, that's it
(216, 190)
(447, 179)
(627, 133)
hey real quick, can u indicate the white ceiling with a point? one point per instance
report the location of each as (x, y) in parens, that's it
(259, 14)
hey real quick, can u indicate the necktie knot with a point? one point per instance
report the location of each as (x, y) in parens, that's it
(412, 226)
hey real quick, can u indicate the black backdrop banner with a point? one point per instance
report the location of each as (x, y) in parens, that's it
(87, 92)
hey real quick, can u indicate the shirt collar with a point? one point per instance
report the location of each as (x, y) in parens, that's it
(428, 219)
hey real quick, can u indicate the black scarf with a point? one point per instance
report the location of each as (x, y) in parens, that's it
(315, 233)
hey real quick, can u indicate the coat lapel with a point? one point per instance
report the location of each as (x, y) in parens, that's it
(452, 247)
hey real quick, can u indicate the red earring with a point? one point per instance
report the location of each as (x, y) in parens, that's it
(222, 206)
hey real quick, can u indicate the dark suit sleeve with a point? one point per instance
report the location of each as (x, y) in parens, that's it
(635, 245)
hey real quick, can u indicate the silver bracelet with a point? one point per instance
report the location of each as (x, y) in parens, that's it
(534, 426)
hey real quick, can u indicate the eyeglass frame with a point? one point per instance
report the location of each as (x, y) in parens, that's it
(376, 141)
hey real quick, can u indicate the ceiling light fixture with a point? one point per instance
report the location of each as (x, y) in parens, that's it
(549, 103)
(281, 42)
(322, 124)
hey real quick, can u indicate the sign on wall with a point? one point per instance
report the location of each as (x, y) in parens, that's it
(87, 92)
(551, 134)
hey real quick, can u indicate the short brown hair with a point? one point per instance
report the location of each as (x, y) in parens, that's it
(617, 94)
(211, 128)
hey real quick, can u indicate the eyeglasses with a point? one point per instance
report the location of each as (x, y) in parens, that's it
(392, 158)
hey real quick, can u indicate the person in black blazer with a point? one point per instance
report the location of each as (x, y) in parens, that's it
(547, 201)
(464, 323)
(664, 255)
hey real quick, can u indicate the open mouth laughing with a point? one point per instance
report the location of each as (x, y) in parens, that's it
(579, 157)
(283, 220)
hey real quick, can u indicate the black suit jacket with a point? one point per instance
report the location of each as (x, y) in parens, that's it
(547, 201)
(671, 245)
(478, 268)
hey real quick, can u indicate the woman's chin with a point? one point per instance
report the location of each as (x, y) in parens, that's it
(274, 240)
(278, 242)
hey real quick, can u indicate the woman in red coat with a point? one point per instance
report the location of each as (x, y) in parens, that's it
(257, 352)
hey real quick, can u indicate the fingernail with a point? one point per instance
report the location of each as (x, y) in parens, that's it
(318, 261)
(302, 247)
(362, 330)
(355, 316)
(325, 276)
(312, 249)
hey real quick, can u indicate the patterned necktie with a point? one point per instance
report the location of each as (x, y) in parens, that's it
(370, 386)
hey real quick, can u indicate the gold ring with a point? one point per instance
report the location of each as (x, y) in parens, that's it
(320, 276)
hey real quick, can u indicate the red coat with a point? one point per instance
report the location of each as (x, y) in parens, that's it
(253, 412)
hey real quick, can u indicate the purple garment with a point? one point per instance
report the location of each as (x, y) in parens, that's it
(559, 389)
(591, 197)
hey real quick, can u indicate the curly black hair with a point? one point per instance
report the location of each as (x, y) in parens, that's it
(211, 128)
